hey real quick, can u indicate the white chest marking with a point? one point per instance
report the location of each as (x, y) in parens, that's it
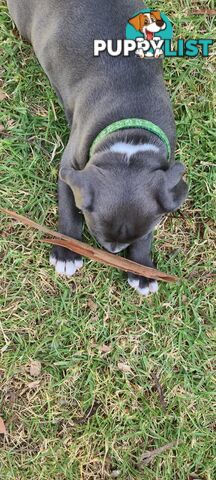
(129, 149)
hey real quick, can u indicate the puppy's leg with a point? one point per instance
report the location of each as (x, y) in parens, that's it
(140, 252)
(70, 223)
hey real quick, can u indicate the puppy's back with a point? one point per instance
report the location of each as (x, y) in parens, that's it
(95, 19)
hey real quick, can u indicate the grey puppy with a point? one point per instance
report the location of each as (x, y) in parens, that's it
(128, 184)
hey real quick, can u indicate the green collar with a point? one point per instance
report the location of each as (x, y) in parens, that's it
(132, 123)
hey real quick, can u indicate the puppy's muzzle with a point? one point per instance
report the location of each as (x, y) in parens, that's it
(115, 247)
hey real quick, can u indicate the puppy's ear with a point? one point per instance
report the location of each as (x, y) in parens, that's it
(137, 22)
(156, 14)
(172, 190)
(159, 20)
(80, 183)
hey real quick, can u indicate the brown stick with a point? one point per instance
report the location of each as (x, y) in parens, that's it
(149, 456)
(90, 252)
(159, 389)
(204, 12)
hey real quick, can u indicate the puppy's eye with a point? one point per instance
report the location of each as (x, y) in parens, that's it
(146, 21)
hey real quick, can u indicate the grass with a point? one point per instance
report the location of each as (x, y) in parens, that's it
(65, 324)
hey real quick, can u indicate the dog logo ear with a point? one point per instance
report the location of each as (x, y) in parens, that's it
(158, 20)
(156, 15)
(137, 22)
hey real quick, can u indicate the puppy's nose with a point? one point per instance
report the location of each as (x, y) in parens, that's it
(159, 23)
(117, 247)
(113, 247)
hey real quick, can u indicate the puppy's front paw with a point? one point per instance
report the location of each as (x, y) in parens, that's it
(65, 262)
(140, 53)
(158, 53)
(144, 286)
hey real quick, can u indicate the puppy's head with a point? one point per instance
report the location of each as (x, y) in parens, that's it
(148, 23)
(122, 200)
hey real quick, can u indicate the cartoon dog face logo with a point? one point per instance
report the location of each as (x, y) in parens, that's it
(148, 24)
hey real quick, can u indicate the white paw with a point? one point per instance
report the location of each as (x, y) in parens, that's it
(158, 53)
(67, 268)
(149, 54)
(140, 53)
(151, 288)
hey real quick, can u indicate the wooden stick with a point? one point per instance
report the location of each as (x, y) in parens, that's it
(90, 252)
(204, 12)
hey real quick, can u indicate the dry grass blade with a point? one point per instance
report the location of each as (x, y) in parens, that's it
(92, 253)
(2, 427)
(148, 456)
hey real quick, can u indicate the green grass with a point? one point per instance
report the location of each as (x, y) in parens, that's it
(64, 324)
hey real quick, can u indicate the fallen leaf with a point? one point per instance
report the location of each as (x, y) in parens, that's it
(35, 368)
(105, 349)
(91, 305)
(32, 385)
(124, 367)
(3, 95)
(148, 456)
(3, 430)
(115, 474)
